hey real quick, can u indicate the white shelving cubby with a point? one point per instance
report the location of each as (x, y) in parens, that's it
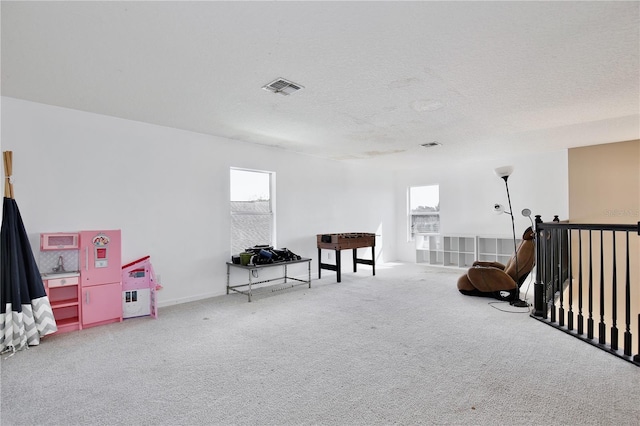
(461, 251)
(496, 248)
(429, 249)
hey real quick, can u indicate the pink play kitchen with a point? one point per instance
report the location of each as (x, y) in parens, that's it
(82, 275)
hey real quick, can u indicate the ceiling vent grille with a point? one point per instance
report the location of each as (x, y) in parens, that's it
(430, 144)
(282, 86)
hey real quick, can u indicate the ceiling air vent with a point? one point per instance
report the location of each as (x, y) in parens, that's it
(282, 86)
(430, 144)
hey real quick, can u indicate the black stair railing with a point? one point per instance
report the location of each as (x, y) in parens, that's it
(574, 259)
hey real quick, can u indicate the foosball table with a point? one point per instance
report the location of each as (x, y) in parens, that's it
(346, 241)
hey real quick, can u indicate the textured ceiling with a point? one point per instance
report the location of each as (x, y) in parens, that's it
(380, 78)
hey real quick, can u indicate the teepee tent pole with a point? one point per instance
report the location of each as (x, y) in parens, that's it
(8, 171)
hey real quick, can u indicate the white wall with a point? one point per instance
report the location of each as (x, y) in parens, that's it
(468, 192)
(168, 190)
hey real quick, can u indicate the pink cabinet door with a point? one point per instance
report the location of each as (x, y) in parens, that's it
(101, 303)
(100, 257)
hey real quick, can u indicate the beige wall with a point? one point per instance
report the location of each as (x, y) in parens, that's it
(604, 183)
(604, 187)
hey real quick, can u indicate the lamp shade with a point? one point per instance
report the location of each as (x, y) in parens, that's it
(504, 171)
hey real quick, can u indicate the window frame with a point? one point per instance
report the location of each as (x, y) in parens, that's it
(411, 234)
(271, 205)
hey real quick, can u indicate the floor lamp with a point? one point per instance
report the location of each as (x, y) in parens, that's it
(504, 173)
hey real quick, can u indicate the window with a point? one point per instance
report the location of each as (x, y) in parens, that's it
(252, 209)
(424, 210)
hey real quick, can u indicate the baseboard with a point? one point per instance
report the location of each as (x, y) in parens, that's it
(182, 300)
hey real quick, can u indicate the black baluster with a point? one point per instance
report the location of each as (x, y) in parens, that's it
(614, 295)
(545, 275)
(560, 277)
(580, 316)
(590, 289)
(552, 258)
(602, 333)
(538, 287)
(636, 358)
(570, 257)
(627, 302)
(560, 234)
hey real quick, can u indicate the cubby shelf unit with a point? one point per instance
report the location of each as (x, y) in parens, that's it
(461, 251)
(496, 249)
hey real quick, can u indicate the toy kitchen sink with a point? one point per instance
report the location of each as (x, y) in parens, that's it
(81, 273)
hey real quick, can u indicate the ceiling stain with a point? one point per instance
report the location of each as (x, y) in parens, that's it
(372, 136)
(428, 105)
(381, 153)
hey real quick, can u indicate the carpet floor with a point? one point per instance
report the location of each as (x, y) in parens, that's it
(399, 348)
